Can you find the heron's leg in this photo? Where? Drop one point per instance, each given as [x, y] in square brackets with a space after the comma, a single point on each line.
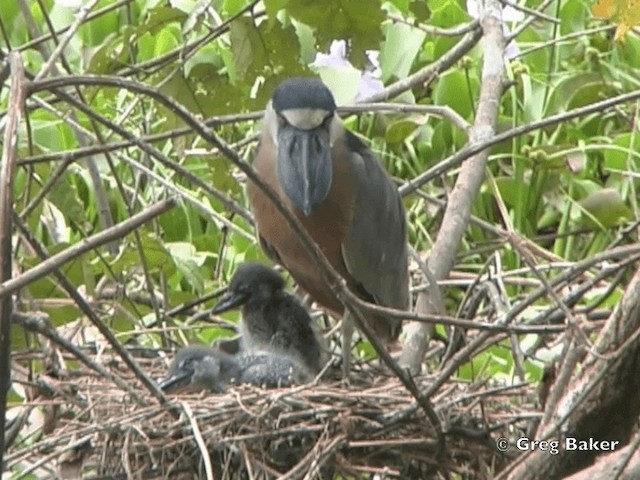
[347, 335]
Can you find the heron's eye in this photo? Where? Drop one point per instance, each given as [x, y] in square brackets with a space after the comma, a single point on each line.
[327, 121]
[282, 120]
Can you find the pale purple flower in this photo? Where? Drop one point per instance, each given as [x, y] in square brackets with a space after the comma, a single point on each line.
[370, 82]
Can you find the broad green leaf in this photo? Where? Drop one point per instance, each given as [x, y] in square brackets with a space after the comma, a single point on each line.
[618, 158]
[357, 22]
[188, 261]
[156, 255]
[185, 6]
[231, 7]
[420, 10]
[343, 83]
[207, 56]
[399, 50]
[399, 130]
[274, 6]
[307, 42]
[573, 15]
[97, 32]
[578, 90]
[64, 195]
[166, 40]
[446, 13]
[246, 45]
[606, 207]
[451, 89]
[256, 50]
[508, 188]
[159, 18]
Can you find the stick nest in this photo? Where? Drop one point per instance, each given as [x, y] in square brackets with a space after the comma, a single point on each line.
[92, 429]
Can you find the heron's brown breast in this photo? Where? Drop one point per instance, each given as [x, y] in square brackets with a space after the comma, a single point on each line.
[327, 225]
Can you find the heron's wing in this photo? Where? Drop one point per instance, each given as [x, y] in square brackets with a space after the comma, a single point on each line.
[375, 247]
[271, 252]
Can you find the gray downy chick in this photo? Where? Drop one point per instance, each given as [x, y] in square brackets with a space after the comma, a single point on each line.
[272, 319]
[198, 368]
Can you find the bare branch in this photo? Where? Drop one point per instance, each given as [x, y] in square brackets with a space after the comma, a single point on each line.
[441, 111]
[9, 152]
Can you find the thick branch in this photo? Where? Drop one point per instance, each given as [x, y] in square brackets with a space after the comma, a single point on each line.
[9, 150]
[458, 212]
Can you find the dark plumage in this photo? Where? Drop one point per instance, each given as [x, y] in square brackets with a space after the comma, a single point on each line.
[272, 319]
[197, 368]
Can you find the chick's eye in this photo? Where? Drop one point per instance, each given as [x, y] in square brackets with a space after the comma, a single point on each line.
[188, 363]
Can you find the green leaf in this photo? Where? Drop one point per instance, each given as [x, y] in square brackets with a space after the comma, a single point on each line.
[343, 82]
[577, 90]
[160, 18]
[401, 5]
[189, 261]
[95, 33]
[508, 188]
[451, 90]
[156, 255]
[245, 45]
[207, 56]
[166, 40]
[399, 130]
[231, 7]
[64, 196]
[399, 50]
[185, 6]
[617, 158]
[572, 16]
[446, 13]
[606, 207]
[358, 22]
[420, 10]
[257, 50]
[274, 6]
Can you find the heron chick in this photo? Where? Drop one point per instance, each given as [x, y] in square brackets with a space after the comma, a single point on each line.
[196, 368]
[272, 319]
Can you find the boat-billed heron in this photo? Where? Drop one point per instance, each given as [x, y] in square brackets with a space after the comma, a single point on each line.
[341, 194]
[198, 368]
[272, 319]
